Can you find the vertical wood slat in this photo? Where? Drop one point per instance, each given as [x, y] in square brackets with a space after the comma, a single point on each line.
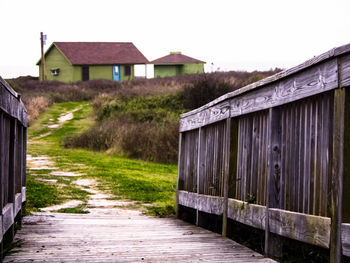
[226, 175]
[199, 167]
[273, 185]
[252, 158]
[337, 173]
[179, 173]
[346, 171]
[1, 176]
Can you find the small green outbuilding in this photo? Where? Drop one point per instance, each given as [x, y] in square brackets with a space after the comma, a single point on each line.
[176, 64]
[80, 61]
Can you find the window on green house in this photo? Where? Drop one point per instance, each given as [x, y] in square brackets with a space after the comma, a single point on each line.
[55, 71]
[127, 70]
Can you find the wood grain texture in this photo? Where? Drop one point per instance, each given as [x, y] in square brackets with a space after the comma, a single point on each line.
[248, 214]
[310, 229]
[346, 239]
[11, 103]
[7, 217]
[188, 199]
[345, 70]
[210, 204]
[204, 203]
[122, 238]
[1, 230]
[17, 204]
[24, 194]
[309, 82]
[336, 194]
[252, 157]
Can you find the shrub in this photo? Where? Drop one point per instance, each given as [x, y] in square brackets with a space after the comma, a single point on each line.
[35, 106]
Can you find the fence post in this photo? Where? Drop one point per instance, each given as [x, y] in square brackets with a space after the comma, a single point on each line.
[273, 246]
[178, 173]
[337, 172]
[1, 184]
[226, 174]
[199, 168]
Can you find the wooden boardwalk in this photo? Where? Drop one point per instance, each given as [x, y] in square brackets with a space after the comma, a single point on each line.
[119, 235]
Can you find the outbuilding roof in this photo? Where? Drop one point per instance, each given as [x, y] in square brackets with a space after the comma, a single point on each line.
[100, 53]
[176, 58]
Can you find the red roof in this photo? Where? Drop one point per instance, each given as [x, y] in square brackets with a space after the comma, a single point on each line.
[101, 53]
[176, 58]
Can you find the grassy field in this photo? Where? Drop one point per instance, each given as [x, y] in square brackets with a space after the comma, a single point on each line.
[135, 180]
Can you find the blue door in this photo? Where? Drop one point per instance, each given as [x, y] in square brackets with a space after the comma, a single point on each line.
[116, 72]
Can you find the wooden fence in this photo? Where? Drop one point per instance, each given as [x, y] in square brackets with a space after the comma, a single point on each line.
[275, 155]
[13, 134]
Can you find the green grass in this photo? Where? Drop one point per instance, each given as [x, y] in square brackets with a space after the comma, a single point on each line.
[125, 178]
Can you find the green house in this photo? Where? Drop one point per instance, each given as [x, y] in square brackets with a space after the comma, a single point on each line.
[80, 61]
[176, 64]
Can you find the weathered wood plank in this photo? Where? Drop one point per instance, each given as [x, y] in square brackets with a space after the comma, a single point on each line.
[310, 229]
[17, 204]
[179, 174]
[204, 203]
[337, 174]
[346, 239]
[133, 238]
[226, 174]
[7, 217]
[24, 194]
[279, 76]
[188, 199]
[210, 204]
[311, 81]
[245, 213]
[1, 231]
[11, 103]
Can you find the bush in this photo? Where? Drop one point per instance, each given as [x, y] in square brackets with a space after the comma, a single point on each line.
[35, 106]
[204, 91]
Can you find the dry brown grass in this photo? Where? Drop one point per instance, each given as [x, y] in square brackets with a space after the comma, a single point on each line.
[35, 106]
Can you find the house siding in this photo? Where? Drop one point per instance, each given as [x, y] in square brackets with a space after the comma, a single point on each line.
[132, 75]
[193, 68]
[55, 59]
[101, 72]
[174, 70]
[73, 73]
[161, 71]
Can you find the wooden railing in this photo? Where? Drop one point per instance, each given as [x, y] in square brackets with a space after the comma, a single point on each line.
[275, 155]
[13, 134]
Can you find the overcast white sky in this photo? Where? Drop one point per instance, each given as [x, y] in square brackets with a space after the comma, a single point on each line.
[232, 34]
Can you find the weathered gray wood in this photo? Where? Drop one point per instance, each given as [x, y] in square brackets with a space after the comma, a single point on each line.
[122, 238]
[7, 217]
[24, 194]
[17, 204]
[188, 199]
[179, 173]
[1, 174]
[311, 81]
[199, 174]
[274, 179]
[310, 229]
[11, 104]
[337, 174]
[210, 204]
[305, 149]
[204, 203]
[346, 239]
[248, 214]
[226, 175]
[1, 233]
[281, 75]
